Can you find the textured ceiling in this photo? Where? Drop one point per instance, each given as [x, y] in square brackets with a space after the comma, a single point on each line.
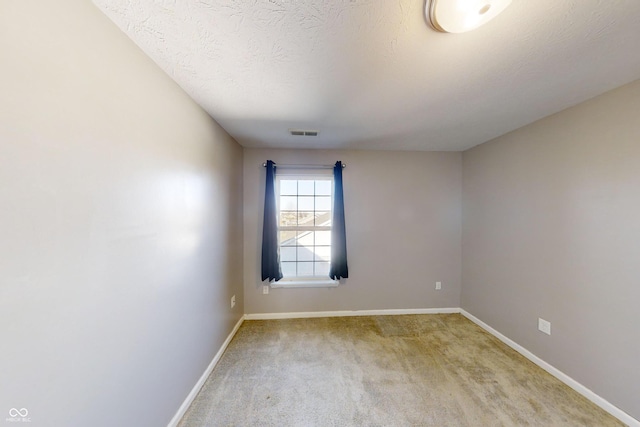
[370, 74]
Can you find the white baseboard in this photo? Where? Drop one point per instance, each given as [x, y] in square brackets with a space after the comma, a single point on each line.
[194, 392]
[601, 402]
[347, 313]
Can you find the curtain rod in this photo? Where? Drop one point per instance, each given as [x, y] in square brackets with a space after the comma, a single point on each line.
[344, 165]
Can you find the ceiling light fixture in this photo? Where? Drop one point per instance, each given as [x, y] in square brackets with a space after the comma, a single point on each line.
[459, 16]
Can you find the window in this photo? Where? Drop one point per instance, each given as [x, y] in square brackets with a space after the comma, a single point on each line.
[304, 226]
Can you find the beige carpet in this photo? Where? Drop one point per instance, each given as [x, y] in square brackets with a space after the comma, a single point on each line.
[418, 370]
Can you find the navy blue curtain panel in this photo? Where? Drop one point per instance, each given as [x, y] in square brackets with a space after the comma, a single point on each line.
[270, 251]
[338, 269]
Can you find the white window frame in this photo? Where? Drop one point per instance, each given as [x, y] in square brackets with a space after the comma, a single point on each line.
[303, 281]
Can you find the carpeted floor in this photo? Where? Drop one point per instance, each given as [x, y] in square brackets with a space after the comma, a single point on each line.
[417, 370]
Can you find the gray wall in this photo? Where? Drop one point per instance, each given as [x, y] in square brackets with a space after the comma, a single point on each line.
[403, 231]
[551, 229]
[120, 240]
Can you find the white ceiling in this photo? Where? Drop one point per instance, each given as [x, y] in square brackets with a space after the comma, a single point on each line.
[370, 74]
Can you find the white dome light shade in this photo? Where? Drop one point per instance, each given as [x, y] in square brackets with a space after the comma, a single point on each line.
[459, 16]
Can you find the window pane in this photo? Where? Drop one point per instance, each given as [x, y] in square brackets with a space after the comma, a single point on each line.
[323, 188]
[322, 253]
[323, 203]
[288, 253]
[288, 218]
[288, 269]
[305, 188]
[322, 268]
[323, 219]
[305, 253]
[323, 238]
[288, 238]
[288, 187]
[305, 218]
[305, 238]
[305, 203]
[288, 203]
[305, 269]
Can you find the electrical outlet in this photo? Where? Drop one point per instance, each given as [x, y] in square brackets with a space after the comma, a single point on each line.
[265, 289]
[544, 326]
[233, 301]
[438, 286]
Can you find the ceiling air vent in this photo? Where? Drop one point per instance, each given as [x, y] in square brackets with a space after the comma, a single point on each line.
[300, 132]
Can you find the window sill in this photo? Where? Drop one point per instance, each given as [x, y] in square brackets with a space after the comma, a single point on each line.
[305, 283]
